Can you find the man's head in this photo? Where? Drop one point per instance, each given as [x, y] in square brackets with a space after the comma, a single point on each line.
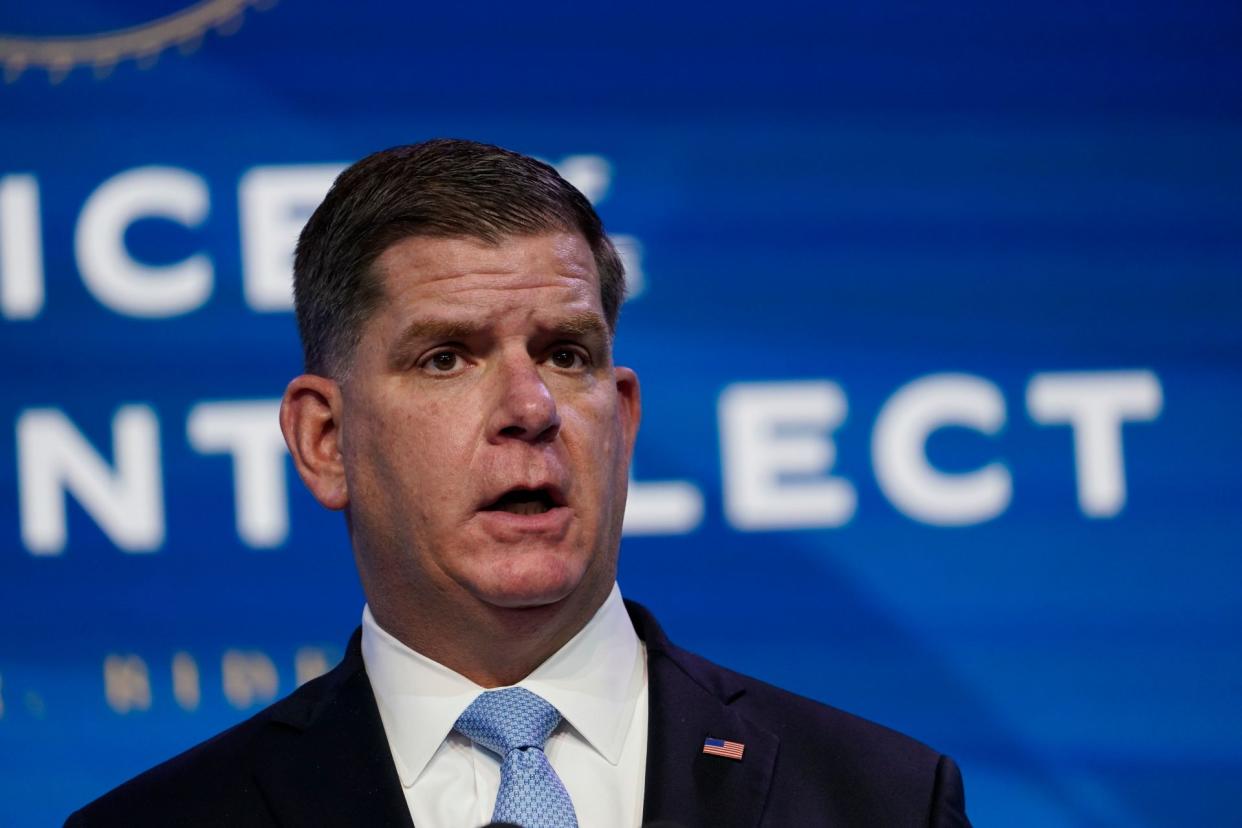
[445, 188]
[472, 425]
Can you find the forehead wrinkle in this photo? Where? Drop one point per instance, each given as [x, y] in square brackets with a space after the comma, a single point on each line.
[430, 276]
[510, 281]
[397, 258]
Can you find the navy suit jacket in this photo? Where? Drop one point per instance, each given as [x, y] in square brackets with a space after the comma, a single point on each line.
[320, 757]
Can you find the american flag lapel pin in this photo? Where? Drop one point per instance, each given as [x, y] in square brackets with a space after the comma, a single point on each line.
[723, 747]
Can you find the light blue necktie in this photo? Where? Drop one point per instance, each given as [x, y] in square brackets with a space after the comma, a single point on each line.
[516, 723]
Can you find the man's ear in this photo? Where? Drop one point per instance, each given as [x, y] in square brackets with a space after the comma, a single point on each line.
[310, 417]
[629, 404]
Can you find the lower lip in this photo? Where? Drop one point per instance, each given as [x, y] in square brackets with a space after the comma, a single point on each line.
[552, 522]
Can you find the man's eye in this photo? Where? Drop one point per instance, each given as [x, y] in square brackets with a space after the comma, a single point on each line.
[443, 361]
[567, 358]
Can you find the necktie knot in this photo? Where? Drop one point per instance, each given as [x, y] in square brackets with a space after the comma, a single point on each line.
[516, 723]
[509, 719]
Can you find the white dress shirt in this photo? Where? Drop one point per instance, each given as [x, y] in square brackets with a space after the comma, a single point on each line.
[598, 681]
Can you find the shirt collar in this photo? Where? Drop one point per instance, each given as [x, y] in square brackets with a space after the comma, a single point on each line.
[594, 681]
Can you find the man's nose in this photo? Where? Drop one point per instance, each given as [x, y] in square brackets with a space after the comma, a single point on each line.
[526, 409]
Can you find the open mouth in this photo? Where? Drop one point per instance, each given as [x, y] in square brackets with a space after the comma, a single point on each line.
[524, 502]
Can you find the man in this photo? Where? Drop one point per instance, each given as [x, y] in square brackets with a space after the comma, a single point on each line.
[457, 304]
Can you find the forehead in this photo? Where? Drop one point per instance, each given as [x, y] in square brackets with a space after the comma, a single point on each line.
[468, 272]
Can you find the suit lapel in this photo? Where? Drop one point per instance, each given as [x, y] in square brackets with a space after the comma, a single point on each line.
[689, 701]
[324, 760]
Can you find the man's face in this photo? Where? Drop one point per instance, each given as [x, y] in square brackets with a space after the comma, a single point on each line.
[485, 433]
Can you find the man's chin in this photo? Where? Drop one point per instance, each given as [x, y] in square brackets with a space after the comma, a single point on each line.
[527, 598]
[538, 583]
[539, 594]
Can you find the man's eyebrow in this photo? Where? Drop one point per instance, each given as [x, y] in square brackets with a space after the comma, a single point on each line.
[586, 323]
[439, 329]
[433, 330]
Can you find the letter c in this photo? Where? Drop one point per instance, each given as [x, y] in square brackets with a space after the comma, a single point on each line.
[899, 450]
[111, 274]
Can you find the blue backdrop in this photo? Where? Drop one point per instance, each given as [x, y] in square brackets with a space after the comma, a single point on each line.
[937, 311]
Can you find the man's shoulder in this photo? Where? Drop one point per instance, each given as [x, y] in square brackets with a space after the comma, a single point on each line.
[825, 750]
[791, 715]
[210, 781]
[802, 723]
[822, 759]
[788, 714]
[214, 781]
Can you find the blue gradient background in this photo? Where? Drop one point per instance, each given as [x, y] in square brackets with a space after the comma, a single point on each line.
[863, 193]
